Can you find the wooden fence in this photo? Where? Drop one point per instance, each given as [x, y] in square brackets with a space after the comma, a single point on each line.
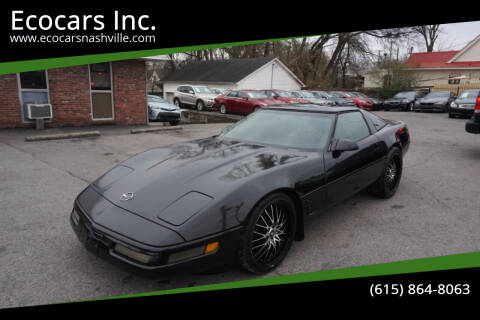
[456, 89]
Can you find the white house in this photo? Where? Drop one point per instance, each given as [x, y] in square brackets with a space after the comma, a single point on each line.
[440, 68]
[235, 74]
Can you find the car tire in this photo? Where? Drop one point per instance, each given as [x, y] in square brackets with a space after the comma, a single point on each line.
[269, 233]
[177, 102]
[174, 123]
[223, 109]
[200, 105]
[387, 184]
[450, 115]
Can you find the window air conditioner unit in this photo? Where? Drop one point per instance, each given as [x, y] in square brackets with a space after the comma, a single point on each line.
[39, 111]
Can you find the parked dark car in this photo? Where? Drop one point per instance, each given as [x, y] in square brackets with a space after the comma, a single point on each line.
[434, 101]
[473, 125]
[243, 101]
[162, 110]
[464, 105]
[336, 99]
[242, 195]
[404, 100]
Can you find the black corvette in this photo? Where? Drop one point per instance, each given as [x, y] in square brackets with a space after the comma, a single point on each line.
[239, 196]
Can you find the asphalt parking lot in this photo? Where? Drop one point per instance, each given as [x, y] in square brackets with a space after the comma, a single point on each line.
[435, 212]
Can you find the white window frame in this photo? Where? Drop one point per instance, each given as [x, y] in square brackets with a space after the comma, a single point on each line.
[101, 91]
[20, 96]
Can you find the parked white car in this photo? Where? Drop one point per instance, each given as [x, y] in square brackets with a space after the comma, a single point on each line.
[200, 97]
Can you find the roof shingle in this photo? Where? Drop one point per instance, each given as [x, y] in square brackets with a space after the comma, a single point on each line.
[231, 71]
[437, 59]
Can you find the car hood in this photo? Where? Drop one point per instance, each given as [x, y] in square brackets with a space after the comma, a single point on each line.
[208, 95]
[184, 174]
[397, 99]
[317, 100]
[465, 101]
[433, 100]
[266, 101]
[166, 106]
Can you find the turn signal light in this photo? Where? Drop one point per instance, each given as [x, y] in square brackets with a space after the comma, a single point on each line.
[211, 247]
[477, 105]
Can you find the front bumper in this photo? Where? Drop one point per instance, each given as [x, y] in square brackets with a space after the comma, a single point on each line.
[103, 243]
[461, 111]
[393, 106]
[430, 107]
[163, 115]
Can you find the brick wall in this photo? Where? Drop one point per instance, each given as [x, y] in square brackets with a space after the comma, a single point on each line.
[10, 113]
[70, 96]
[129, 89]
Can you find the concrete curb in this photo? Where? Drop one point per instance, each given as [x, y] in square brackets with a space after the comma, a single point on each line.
[63, 136]
[146, 130]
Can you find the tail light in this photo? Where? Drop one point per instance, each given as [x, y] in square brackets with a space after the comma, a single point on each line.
[400, 132]
[477, 105]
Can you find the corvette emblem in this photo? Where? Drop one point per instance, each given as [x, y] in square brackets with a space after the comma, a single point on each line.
[126, 196]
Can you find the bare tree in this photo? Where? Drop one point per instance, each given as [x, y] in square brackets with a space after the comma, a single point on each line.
[429, 33]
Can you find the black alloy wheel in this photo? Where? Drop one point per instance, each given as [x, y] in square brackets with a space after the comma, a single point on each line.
[269, 234]
[388, 182]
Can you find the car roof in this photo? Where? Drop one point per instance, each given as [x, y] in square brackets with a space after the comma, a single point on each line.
[310, 108]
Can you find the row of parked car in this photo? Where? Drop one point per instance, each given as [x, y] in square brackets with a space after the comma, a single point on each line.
[247, 101]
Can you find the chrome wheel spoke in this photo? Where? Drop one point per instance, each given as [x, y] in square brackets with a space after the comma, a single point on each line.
[270, 233]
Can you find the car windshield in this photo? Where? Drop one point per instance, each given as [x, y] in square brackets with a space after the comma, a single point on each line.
[202, 90]
[290, 129]
[285, 94]
[155, 99]
[361, 95]
[306, 94]
[471, 94]
[405, 95]
[336, 95]
[321, 94]
[257, 94]
[438, 94]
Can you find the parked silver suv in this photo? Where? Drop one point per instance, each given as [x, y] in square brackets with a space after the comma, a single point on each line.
[200, 97]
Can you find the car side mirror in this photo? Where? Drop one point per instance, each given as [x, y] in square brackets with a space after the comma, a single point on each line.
[342, 145]
[226, 129]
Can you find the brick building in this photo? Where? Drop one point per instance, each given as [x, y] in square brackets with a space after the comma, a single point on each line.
[103, 93]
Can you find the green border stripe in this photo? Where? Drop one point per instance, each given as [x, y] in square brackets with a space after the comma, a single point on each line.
[450, 262]
[50, 63]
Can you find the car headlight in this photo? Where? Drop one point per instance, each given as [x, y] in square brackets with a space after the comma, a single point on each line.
[453, 104]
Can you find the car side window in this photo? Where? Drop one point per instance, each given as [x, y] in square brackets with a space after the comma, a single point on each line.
[189, 90]
[351, 126]
[377, 122]
[233, 94]
[269, 93]
[242, 94]
[180, 89]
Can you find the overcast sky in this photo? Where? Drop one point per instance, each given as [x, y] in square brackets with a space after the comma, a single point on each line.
[457, 35]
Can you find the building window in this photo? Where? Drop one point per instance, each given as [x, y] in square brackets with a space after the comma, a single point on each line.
[33, 90]
[101, 91]
[453, 81]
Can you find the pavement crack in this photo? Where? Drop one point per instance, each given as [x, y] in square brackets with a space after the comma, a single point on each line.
[47, 163]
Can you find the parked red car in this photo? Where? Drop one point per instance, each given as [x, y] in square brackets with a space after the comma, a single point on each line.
[362, 103]
[284, 96]
[243, 101]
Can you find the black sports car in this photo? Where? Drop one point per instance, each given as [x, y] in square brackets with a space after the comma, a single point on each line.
[242, 195]
[403, 100]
